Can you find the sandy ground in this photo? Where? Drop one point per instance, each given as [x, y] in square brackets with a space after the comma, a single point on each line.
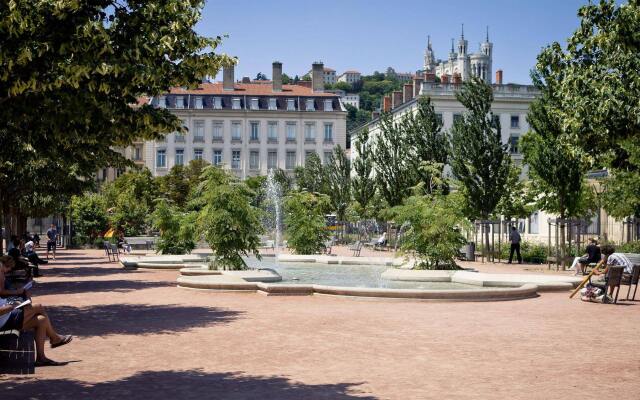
[138, 336]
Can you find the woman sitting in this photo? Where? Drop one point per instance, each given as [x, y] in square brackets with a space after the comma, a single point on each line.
[27, 318]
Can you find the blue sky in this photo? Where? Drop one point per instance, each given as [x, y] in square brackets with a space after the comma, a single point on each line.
[372, 35]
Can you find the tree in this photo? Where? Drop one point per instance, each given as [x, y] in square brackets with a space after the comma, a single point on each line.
[286, 79]
[177, 229]
[363, 182]
[130, 199]
[356, 117]
[261, 77]
[89, 215]
[228, 221]
[517, 199]
[339, 182]
[479, 160]
[621, 195]
[175, 186]
[394, 174]
[312, 177]
[304, 217]
[342, 86]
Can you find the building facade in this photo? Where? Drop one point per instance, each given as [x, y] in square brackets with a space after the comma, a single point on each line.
[350, 77]
[249, 128]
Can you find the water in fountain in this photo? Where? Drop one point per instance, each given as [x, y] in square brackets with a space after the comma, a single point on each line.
[274, 196]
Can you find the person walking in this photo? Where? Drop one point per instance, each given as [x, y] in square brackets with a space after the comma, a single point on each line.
[52, 237]
[514, 238]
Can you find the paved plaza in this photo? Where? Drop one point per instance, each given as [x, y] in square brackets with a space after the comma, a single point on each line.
[139, 336]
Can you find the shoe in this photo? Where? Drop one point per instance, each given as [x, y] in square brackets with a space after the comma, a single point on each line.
[65, 339]
[48, 363]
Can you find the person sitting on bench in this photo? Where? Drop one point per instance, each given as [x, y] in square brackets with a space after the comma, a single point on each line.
[27, 318]
[592, 256]
[382, 240]
[21, 263]
[611, 258]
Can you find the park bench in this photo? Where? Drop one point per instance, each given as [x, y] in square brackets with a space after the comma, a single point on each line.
[111, 250]
[356, 248]
[612, 280]
[17, 352]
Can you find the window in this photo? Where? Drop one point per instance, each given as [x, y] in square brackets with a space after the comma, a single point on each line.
[533, 223]
[291, 105]
[198, 102]
[179, 102]
[235, 131]
[162, 102]
[217, 103]
[310, 105]
[328, 105]
[137, 153]
[255, 105]
[272, 159]
[328, 155]
[457, 117]
[217, 157]
[273, 104]
[253, 134]
[309, 131]
[217, 131]
[439, 118]
[254, 159]
[197, 154]
[198, 131]
[291, 131]
[178, 138]
[513, 144]
[515, 121]
[290, 161]
[328, 132]
[161, 158]
[272, 131]
[235, 103]
[235, 159]
[179, 157]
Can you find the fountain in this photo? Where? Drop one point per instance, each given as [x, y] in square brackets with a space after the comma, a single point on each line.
[274, 194]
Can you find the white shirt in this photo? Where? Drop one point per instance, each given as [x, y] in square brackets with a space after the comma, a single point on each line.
[4, 317]
[29, 246]
[620, 260]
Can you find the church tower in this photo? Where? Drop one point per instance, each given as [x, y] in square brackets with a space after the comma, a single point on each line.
[486, 49]
[429, 58]
[464, 66]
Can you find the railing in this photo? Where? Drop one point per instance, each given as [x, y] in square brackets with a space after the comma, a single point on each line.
[499, 91]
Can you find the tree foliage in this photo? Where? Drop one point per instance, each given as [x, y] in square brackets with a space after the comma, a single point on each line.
[339, 182]
[363, 182]
[89, 215]
[177, 228]
[312, 177]
[304, 218]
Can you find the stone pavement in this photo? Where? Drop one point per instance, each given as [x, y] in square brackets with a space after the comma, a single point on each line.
[139, 336]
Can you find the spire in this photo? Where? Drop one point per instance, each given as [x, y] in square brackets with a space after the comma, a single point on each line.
[452, 45]
[487, 39]
[429, 42]
[462, 36]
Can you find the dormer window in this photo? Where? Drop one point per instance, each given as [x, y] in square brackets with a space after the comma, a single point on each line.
[310, 105]
[217, 103]
[328, 105]
[179, 102]
[235, 103]
[273, 105]
[162, 102]
[198, 102]
[254, 104]
[291, 105]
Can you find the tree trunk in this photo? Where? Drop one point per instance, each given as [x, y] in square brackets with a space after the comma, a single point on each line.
[562, 245]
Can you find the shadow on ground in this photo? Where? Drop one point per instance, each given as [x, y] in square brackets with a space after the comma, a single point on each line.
[118, 285]
[193, 384]
[74, 272]
[135, 319]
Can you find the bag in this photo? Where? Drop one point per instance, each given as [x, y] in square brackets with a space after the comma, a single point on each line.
[590, 293]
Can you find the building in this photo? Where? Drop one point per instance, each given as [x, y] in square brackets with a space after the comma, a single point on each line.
[405, 76]
[328, 74]
[353, 99]
[350, 77]
[461, 65]
[249, 128]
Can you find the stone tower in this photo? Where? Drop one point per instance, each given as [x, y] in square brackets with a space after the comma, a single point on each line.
[486, 48]
[429, 57]
[463, 58]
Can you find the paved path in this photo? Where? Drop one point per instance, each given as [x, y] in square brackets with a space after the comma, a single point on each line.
[140, 337]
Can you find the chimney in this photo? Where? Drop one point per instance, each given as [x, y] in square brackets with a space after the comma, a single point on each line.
[396, 98]
[277, 76]
[317, 76]
[457, 79]
[386, 104]
[246, 79]
[417, 85]
[375, 114]
[228, 77]
[444, 79]
[499, 77]
[429, 77]
[407, 93]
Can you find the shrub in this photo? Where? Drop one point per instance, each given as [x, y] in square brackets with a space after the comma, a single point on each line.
[89, 215]
[534, 253]
[177, 229]
[629, 247]
[304, 219]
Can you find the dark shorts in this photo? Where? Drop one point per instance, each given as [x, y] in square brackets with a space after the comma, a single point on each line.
[16, 317]
[51, 244]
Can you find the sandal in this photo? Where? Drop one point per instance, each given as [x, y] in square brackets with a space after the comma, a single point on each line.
[48, 363]
[65, 339]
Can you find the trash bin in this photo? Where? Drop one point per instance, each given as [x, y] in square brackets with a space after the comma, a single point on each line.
[471, 251]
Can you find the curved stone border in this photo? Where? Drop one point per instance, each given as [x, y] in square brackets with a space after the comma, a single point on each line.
[329, 259]
[225, 283]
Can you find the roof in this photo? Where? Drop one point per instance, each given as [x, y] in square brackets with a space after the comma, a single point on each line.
[327, 69]
[351, 72]
[250, 89]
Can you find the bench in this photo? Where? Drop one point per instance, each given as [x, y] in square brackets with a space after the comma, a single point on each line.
[111, 249]
[17, 352]
[356, 248]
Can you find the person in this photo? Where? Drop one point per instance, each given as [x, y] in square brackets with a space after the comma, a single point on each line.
[382, 240]
[33, 257]
[20, 262]
[27, 318]
[592, 256]
[122, 243]
[36, 239]
[514, 238]
[611, 258]
[52, 237]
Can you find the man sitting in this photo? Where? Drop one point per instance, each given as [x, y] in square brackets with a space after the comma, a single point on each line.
[611, 258]
[592, 256]
[21, 263]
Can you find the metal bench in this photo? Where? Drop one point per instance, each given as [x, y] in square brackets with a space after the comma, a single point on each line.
[111, 249]
[356, 248]
[17, 352]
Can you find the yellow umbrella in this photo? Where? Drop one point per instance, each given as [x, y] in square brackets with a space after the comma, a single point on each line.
[110, 233]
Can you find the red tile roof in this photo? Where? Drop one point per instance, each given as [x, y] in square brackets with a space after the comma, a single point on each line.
[251, 89]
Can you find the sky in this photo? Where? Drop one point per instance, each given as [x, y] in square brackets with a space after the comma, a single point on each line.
[373, 35]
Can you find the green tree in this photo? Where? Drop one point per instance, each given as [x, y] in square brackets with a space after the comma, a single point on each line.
[356, 117]
[286, 79]
[621, 195]
[228, 221]
[175, 186]
[313, 176]
[177, 228]
[363, 182]
[261, 77]
[517, 200]
[342, 86]
[304, 218]
[339, 182]
[89, 215]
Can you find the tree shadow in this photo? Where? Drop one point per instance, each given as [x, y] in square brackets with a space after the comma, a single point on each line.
[118, 285]
[79, 271]
[135, 319]
[192, 384]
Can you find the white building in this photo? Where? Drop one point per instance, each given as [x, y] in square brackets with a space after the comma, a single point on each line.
[461, 64]
[350, 77]
[353, 99]
[250, 128]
